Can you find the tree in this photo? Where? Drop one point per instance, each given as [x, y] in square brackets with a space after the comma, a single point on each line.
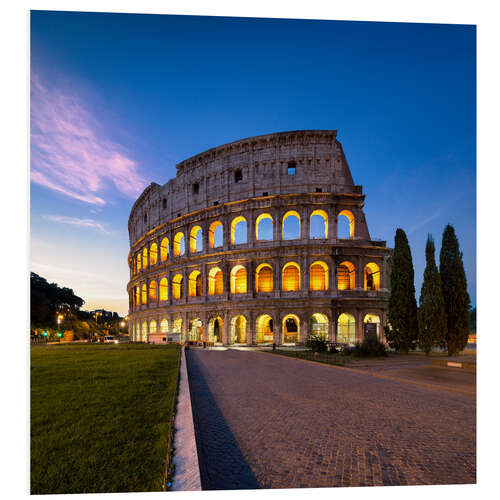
[472, 320]
[456, 298]
[402, 313]
[432, 313]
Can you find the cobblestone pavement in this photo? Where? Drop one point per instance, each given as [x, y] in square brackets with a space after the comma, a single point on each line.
[266, 421]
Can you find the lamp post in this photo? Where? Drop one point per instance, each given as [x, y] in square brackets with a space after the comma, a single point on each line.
[60, 317]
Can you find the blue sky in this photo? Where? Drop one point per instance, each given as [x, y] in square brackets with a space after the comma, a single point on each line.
[117, 100]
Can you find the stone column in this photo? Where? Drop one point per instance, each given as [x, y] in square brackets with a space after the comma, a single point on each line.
[251, 228]
[359, 325]
[359, 285]
[226, 328]
[204, 281]
[277, 226]
[304, 225]
[277, 333]
[332, 223]
[226, 221]
[250, 278]
[277, 276]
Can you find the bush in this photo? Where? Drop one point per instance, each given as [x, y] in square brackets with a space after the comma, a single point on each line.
[370, 347]
[317, 344]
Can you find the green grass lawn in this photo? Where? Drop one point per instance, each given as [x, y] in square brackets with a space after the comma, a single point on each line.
[100, 417]
[322, 357]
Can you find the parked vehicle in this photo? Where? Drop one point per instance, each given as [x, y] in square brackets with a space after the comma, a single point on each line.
[110, 340]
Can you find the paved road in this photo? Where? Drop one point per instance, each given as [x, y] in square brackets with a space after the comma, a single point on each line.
[266, 421]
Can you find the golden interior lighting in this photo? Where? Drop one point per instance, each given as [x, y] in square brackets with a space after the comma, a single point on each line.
[318, 276]
[195, 284]
[287, 231]
[215, 282]
[350, 218]
[346, 328]
[144, 331]
[177, 325]
[291, 329]
[144, 293]
[139, 262]
[291, 277]
[164, 326]
[319, 325]
[319, 218]
[263, 224]
[152, 291]
[372, 276]
[215, 236]
[195, 329]
[265, 333]
[164, 249]
[145, 258]
[345, 276]
[164, 289]
[238, 330]
[242, 222]
[153, 254]
[264, 278]
[178, 286]
[215, 329]
[196, 240]
[137, 296]
[373, 318]
[238, 279]
[179, 244]
[152, 326]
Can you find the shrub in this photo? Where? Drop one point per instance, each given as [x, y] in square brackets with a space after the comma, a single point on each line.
[370, 347]
[316, 343]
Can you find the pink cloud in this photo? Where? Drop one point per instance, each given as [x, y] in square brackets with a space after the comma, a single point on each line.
[74, 221]
[70, 155]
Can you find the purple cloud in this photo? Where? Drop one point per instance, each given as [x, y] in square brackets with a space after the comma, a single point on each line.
[70, 155]
[74, 221]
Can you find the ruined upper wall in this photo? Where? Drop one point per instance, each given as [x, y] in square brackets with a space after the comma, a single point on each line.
[262, 162]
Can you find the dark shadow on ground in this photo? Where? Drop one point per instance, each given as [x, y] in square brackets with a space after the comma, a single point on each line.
[222, 465]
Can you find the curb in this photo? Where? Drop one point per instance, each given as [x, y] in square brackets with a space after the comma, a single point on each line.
[187, 468]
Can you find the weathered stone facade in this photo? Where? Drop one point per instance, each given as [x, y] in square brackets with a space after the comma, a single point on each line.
[225, 288]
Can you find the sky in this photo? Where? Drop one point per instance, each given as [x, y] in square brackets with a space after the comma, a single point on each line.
[118, 99]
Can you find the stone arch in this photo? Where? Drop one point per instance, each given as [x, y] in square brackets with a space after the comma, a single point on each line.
[346, 328]
[179, 244]
[164, 325]
[264, 227]
[144, 294]
[145, 257]
[153, 254]
[144, 331]
[215, 281]
[139, 261]
[178, 286]
[164, 289]
[152, 326]
[372, 319]
[318, 224]
[351, 220]
[264, 278]
[291, 329]
[346, 276]
[196, 239]
[318, 275]
[164, 249]
[238, 230]
[264, 326]
[319, 325]
[371, 276]
[215, 234]
[153, 291]
[290, 230]
[239, 279]
[195, 329]
[290, 277]
[238, 333]
[177, 325]
[137, 296]
[215, 329]
[195, 284]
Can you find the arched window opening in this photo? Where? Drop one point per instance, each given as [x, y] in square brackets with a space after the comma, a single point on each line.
[264, 228]
[152, 326]
[215, 235]
[291, 277]
[144, 336]
[215, 282]
[291, 329]
[137, 332]
[144, 258]
[238, 279]
[238, 330]
[144, 294]
[152, 291]
[164, 203]
[164, 249]
[238, 230]
[196, 240]
[372, 276]
[264, 327]
[139, 261]
[346, 276]
[177, 326]
[179, 245]
[196, 188]
[137, 296]
[164, 325]
[153, 254]
[292, 168]
[238, 175]
[371, 326]
[196, 330]
[164, 289]
[318, 276]
[345, 223]
[215, 330]
[178, 286]
[291, 226]
[195, 284]
[319, 325]
[318, 227]
[264, 278]
[346, 329]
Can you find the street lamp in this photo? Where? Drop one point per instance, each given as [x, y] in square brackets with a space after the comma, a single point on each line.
[60, 317]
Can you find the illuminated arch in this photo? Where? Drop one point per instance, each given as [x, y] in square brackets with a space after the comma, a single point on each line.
[372, 318]
[153, 254]
[177, 326]
[238, 279]
[264, 227]
[196, 329]
[144, 258]
[346, 276]
[164, 325]
[215, 281]
[215, 234]
[144, 336]
[137, 296]
[264, 278]
[290, 230]
[215, 326]
[164, 249]
[164, 289]
[346, 328]
[318, 276]
[137, 332]
[179, 244]
[195, 284]
[139, 261]
[152, 326]
[318, 225]
[371, 276]
[144, 294]
[238, 330]
[290, 277]
[196, 239]
[178, 286]
[350, 218]
[291, 329]
[319, 325]
[153, 292]
[238, 225]
[265, 329]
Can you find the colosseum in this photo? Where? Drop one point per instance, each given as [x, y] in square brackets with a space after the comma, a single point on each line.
[256, 242]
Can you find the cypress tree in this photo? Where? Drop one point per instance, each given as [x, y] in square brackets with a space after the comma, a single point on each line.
[402, 313]
[456, 298]
[432, 313]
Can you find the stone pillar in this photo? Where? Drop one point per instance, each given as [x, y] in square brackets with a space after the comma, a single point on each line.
[277, 276]
[359, 325]
[277, 233]
[277, 333]
[359, 285]
[226, 328]
[305, 225]
[226, 221]
[251, 340]
[204, 228]
[332, 223]
[304, 326]
[204, 281]
[250, 278]
[251, 228]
